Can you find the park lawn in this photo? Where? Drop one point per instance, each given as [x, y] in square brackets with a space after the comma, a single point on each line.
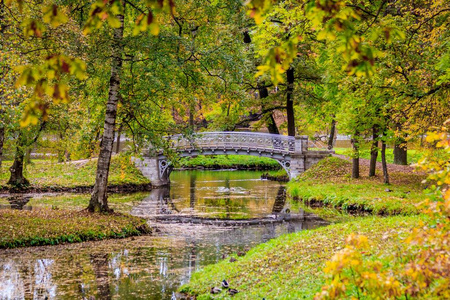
[45, 173]
[329, 183]
[20, 228]
[291, 266]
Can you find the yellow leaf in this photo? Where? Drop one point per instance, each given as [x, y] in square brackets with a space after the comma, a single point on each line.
[154, 28]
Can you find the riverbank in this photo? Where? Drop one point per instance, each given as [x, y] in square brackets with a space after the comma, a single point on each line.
[328, 183]
[77, 176]
[22, 228]
[291, 266]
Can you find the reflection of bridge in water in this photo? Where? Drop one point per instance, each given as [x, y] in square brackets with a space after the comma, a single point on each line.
[290, 152]
[158, 206]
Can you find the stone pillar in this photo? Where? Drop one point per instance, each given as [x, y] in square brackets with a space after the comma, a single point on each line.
[297, 165]
[298, 149]
[149, 166]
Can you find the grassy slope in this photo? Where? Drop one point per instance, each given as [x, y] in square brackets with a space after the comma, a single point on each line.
[49, 227]
[290, 267]
[43, 173]
[329, 182]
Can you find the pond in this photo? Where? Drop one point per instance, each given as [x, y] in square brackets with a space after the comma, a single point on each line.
[204, 217]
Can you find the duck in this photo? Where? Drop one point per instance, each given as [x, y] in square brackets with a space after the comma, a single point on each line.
[225, 284]
[232, 292]
[215, 290]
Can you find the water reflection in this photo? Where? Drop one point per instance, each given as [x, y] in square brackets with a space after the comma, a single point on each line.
[152, 267]
[216, 195]
[17, 202]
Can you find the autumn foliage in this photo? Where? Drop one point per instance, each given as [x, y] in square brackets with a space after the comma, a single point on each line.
[420, 266]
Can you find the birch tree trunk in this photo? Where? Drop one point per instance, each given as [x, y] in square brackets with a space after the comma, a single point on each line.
[99, 202]
[289, 102]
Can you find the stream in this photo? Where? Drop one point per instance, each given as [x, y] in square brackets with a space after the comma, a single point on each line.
[204, 217]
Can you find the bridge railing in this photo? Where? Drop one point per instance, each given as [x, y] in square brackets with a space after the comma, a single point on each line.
[237, 140]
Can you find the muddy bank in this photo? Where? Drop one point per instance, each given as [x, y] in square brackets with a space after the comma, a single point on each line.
[120, 188]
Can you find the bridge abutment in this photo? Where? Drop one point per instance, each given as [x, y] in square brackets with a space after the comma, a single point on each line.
[151, 168]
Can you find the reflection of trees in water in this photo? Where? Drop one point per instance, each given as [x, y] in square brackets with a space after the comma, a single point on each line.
[18, 202]
[227, 199]
[100, 263]
[27, 280]
[192, 188]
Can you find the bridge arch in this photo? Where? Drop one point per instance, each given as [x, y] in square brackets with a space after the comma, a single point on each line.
[290, 152]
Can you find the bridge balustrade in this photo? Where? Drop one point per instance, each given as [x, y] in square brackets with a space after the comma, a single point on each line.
[235, 140]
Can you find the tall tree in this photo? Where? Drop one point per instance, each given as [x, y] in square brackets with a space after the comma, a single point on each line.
[290, 77]
[98, 200]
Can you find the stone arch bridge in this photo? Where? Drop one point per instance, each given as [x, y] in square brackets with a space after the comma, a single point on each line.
[290, 152]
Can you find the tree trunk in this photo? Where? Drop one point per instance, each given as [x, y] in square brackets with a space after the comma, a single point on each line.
[99, 201]
[400, 149]
[2, 138]
[2, 129]
[17, 179]
[332, 133]
[400, 153]
[290, 103]
[355, 156]
[373, 151]
[383, 162]
[100, 264]
[271, 125]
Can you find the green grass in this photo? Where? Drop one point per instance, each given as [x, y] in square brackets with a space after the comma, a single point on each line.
[329, 183]
[413, 155]
[290, 267]
[42, 173]
[230, 162]
[50, 227]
